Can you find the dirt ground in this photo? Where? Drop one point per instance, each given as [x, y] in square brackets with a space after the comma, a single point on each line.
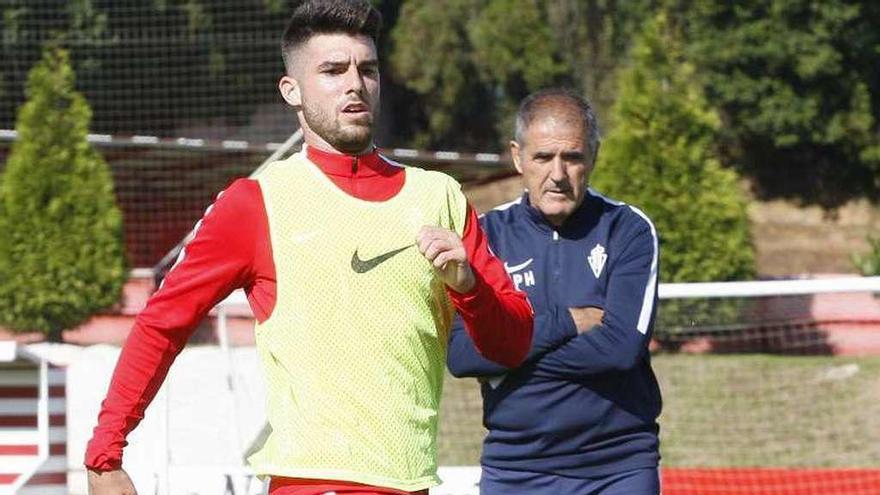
[789, 239]
[794, 240]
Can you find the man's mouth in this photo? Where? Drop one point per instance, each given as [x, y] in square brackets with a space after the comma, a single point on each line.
[558, 192]
[356, 108]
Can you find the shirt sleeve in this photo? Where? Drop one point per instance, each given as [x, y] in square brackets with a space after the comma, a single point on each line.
[497, 317]
[622, 339]
[551, 330]
[217, 260]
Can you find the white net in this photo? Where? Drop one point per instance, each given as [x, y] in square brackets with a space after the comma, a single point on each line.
[768, 388]
[183, 98]
[184, 101]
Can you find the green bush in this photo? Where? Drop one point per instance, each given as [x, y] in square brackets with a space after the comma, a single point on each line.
[797, 83]
[661, 157]
[869, 263]
[61, 249]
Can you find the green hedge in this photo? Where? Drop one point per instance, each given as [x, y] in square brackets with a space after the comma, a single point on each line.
[61, 249]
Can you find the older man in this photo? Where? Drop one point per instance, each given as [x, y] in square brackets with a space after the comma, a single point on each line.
[579, 416]
[353, 266]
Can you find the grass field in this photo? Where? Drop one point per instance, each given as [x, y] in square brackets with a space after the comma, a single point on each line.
[732, 411]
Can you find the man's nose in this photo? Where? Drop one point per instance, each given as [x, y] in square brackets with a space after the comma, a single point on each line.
[557, 170]
[354, 80]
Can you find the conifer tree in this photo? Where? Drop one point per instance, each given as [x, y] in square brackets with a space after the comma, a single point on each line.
[61, 249]
[661, 157]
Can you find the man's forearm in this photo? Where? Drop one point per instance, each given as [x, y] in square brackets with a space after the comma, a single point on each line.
[465, 361]
[499, 323]
[551, 330]
[140, 370]
[601, 349]
[497, 317]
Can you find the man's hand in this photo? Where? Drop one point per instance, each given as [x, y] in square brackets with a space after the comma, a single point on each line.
[114, 482]
[444, 249]
[586, 318]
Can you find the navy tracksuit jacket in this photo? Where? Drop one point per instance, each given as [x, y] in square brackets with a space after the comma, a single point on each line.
[581, 405]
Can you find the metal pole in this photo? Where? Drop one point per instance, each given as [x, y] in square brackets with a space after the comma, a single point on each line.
[223, 337]
[164, 485]
[171, 255]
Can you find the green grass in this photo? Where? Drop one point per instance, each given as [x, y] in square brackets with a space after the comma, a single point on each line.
[732, 410]
[461, 423]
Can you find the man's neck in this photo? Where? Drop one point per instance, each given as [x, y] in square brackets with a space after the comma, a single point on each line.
[339, 164]
[314, 141]
[367, 176]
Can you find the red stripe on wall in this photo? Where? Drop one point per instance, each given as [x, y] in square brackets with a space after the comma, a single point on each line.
[31, 420]
[54, 449]
[48, 479]
[8, 479]
[770, 481]
[30, 392]
[19, 450]
[18, 392]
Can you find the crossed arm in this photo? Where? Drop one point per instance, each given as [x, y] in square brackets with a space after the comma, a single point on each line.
[569, 343]
[552, 330]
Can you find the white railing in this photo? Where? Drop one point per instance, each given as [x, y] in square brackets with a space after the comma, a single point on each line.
[770, 287]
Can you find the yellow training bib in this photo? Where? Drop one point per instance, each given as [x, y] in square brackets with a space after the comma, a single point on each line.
[355, 348]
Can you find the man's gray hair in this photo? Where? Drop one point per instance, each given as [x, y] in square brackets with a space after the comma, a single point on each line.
[538, 102]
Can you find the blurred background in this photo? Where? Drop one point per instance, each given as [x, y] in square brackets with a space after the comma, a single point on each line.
[747, 130]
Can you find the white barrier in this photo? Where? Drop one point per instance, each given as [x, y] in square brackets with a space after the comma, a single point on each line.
[204, 457]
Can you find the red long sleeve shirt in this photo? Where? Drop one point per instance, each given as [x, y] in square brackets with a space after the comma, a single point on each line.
[232, 249]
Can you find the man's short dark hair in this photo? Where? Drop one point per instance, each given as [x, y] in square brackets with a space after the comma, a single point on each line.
[538, 102]
[311, 17]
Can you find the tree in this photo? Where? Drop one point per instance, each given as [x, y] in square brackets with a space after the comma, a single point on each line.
[470, 62]
[61, 250]
[594, 37]
[660, 158]
[154, 67]
[514, 53]
[797, 83]
[431, 57]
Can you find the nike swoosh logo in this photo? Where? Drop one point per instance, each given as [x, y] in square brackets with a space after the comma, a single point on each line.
[363, 266]
[516, 268]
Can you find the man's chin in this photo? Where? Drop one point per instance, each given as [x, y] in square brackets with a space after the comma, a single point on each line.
[557, 209]
[353, 145]
[363, 119]
[558, 204]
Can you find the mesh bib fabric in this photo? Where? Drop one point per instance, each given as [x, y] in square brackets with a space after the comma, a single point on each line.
[355, 348]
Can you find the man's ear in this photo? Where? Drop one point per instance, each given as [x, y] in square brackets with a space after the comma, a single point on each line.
[514, 154]
[289, 89]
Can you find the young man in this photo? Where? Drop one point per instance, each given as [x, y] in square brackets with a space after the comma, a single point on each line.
[353, 266]
[579, 416]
